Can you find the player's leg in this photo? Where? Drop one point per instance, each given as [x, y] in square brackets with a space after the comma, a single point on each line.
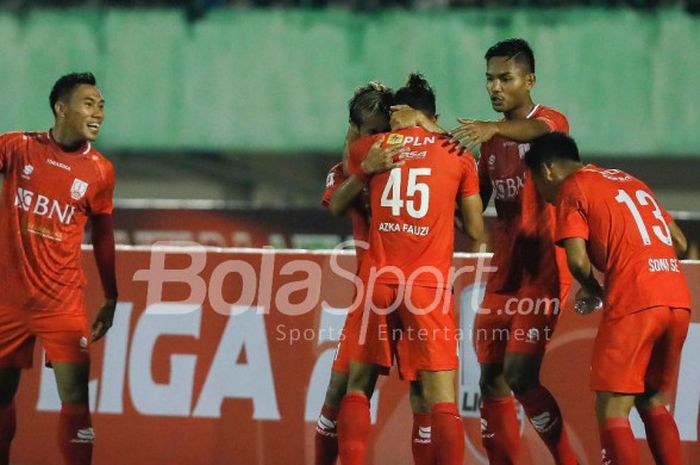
[661, 429]
[522, 373]
[326, 438]
[369, 351]
[9, 381]
[421, 432]
[500, 432]
[621, 356]
[531, 329]
[430, 312]
[75, 434]
[446, 423]
[354, 415]
[616, 438]
[64, 337]
[16, 352]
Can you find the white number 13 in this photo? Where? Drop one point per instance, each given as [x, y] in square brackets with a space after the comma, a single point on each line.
[392, 196]
[644, 198]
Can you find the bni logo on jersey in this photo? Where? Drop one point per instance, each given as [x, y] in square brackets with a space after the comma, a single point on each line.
[78, 189]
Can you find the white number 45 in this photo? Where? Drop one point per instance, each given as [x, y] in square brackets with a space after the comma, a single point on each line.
[392, 196]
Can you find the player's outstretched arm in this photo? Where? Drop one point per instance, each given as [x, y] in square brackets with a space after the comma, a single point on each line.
[680, 243]
[472, 218]
[103, 249]
[471, 133]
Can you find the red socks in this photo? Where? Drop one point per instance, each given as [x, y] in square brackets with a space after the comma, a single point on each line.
[75, 435]
[617, 440]
[353, 429]
[7, 431]
[545, 417]
[662, 435]
[500, 430]
[421, 440]
[447, 434]
[326, 439]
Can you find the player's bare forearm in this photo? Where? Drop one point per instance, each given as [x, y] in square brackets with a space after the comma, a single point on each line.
[345, 195]
[580, 265]
[521, 130]
[472, 218]
[680, 243]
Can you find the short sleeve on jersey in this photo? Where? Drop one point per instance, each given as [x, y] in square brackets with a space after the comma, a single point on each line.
[554, 120]
[6, 140]
[102, 201]
[572, 219]
[469, 185]
[334, 179]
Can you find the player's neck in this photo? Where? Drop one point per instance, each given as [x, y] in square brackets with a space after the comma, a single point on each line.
[66, 142]
[520, 112]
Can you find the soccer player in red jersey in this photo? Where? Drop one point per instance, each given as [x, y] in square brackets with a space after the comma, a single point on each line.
[407, 272]
[369, 114]
[612, 221]
[55, 182]
[523, 294]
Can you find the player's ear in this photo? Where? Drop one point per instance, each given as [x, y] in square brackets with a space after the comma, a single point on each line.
[530, 80]
[548, 171]
[59, 109]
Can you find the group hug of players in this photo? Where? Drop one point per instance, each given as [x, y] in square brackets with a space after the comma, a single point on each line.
[403, 168]
[400, 179]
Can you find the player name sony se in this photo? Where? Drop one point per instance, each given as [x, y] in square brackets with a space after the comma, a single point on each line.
[664, 264]
[393, 227]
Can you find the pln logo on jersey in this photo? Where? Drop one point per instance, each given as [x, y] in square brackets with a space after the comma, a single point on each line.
[27, 171]
[78, 189]
[394, 139]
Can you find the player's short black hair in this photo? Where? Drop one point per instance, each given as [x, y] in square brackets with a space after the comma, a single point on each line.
[550, 147]
[514, 49]
[65, 85]
[417, 94]
[373, 99]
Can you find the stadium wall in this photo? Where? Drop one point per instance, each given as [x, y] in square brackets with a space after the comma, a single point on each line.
[224, 359]
[278, 79]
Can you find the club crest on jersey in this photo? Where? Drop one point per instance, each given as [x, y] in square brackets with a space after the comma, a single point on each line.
[27, 171]
[78, 189]
[394, 139]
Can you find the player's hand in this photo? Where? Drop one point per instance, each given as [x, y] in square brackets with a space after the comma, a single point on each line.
[471, 133]
[404, 116]
[103, 320]
[589, 300]
[380, 159]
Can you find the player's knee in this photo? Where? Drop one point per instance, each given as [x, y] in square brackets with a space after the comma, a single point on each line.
[650, 399]
[336, 389]
[520, 381]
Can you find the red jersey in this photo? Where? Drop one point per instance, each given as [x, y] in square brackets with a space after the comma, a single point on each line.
[523, 237]
[628, 239]
[47, 196]
[411, 232]
[358, 212]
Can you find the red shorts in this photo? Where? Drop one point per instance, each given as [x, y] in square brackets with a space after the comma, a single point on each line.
[413, 325]
[520, 323]
[64, 337]
[350, 333]
[639, 350]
